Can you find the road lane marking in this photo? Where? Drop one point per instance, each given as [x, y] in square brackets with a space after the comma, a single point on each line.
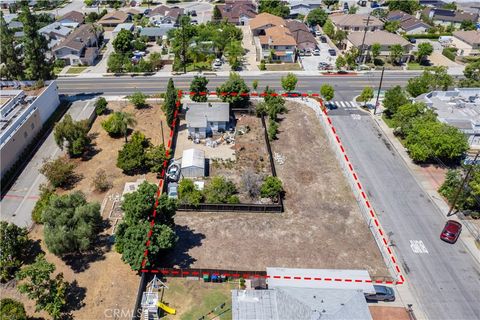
[418, 246]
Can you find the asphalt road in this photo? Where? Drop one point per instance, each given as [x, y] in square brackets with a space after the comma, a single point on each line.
[152, 85]
[444, 277]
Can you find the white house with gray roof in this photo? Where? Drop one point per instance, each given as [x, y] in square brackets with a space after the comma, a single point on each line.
[206, 118]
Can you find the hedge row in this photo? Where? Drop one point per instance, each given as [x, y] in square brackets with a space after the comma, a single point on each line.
[427, 36]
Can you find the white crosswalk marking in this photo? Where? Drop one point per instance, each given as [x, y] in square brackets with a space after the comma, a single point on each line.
[344, 104]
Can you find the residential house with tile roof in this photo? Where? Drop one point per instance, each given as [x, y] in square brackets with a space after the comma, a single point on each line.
[467, 42]
[72, 19]
[80, 47]
[114, 18]
[304, 39]
[448, 17]
[164, 14]
[238, 12]
[356, 22]
[408, 23]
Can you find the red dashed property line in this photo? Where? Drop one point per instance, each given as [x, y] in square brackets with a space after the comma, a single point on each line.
[367, 203]
[400, 279]
[162, 177]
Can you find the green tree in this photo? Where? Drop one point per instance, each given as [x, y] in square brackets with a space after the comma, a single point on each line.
[427, 140]
[170, 104]
[375, 49]
[468, 25]
[35, 47]
[467, 198]
[12, 310]
[330, 3]
[394, 98]
[199, 87]
[154, 158]
[123, 42]
[156, 61]
[408, 6]
[71, 223]
[275, 7]
[188, 194]
[73, 134]
[130, 241]
[366, 95]
[392, 26]
[131, 158]
[353, 9]
[424, 50]
[101, 106]
[217, 15]
[234, 91]
[138, 99]
[255, 85]
[117, 124]
[271, 188]
[289, 82]
[472, 71]
[272, 129]
[115, 62]
[328, 28]
[138, 205]
[317, 16]
[436, 78]
[234, 52]
[46, 192]
[49, 294]
[89, 3]
[340, 62]
[408, 113]
[220, 190]
[14, 246]
[274, 104]
[396, 53]
[327, 92]
[417, 86]
[59, 171]
[10, 56]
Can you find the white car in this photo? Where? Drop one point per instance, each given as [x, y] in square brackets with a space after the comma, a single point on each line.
[172, 190]
[318, 33]
[316, 52]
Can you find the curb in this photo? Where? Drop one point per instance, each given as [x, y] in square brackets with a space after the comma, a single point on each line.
[470, 248]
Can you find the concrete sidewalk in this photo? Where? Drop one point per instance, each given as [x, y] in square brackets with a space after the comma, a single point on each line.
[466, 237]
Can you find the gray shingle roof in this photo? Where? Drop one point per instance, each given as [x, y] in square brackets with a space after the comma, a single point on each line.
[198, 113]
[156, 31]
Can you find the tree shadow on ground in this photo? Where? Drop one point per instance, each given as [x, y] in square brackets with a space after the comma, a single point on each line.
[75, 297]
[80, 262]
[34, 249]
[179, 257]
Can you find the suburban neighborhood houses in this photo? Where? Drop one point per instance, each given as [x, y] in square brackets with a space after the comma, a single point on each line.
[240, 159]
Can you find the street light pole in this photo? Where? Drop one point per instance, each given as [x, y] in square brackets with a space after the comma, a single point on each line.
[378, 93]
[462, 185]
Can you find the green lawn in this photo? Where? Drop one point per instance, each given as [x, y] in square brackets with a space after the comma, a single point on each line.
[193, 299]
[415, 66]
[283, 67]
[57, 70]
[76, 70]
[387, 121]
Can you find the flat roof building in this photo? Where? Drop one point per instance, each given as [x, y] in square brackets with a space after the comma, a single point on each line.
[22, 115]
[459, 108]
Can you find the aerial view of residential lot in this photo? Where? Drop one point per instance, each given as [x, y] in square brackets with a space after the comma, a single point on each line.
[239, 159]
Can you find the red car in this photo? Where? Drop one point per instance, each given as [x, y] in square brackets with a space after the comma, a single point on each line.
[451, 231]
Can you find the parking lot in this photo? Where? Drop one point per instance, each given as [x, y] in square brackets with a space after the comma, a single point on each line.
[310, 63]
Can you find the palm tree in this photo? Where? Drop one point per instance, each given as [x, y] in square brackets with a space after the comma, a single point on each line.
[127, 120]
[234, 51]
[118, 123]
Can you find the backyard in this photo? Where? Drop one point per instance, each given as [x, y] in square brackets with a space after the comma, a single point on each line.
[321, 227]
[98, 289]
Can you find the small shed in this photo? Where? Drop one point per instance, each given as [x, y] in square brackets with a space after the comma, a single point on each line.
[193, 163]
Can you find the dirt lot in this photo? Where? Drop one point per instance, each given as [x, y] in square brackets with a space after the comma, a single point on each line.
[321, 228]
[105, 282]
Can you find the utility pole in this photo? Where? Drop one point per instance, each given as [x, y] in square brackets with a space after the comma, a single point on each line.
[378, 93]
[364, 35]
[462, 185]
[184, 47]
[163, 137]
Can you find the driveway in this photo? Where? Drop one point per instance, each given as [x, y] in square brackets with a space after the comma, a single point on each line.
[101, 66]
[250, 58]
[18, 203]
[310, 63]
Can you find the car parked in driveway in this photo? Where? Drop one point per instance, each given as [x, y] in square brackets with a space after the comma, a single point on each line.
[316, 52]
[382, 293]
[332, 52]
[451, 231]
[323, 39]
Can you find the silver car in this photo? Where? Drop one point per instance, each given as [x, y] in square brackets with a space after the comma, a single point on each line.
[172, 190]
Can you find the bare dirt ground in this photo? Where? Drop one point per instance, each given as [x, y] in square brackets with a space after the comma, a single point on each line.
[321, 228]
[104, 281]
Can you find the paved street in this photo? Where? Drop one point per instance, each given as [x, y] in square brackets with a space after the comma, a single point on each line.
[18, 203]
[150, 85]
[444, 277]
